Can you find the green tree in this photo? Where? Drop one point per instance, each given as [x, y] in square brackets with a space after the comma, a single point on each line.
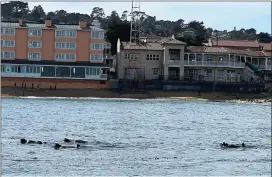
[37, 13]
[97, 13]
[264, 37]
[19, 9]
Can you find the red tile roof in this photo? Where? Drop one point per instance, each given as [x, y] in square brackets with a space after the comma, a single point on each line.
[236, 43]
[196, 48]
[225, 50]
[266, 46]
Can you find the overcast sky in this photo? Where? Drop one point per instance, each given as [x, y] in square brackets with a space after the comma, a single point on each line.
[217, 15]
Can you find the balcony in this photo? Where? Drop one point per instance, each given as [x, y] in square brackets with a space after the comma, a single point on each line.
[214, 64]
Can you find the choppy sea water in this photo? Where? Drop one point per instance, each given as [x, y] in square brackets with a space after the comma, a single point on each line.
[135, 137]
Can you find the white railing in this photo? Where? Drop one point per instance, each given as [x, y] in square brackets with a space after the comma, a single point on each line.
[214, 64]
[103, 76]
[228, 79]
[38, 75]
[248, 73]
[261, 66]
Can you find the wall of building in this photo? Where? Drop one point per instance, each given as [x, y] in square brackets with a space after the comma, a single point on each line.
[166, 59]
[48, 39]
[60, 83]
[147, 66]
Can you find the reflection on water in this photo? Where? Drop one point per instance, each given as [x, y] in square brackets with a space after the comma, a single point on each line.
[135, 137]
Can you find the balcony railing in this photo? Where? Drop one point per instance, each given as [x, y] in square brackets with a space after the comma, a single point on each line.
[212, 78]
[104, 76]
[214, 64]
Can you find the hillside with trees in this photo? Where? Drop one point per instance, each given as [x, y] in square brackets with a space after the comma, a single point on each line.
[118, 25]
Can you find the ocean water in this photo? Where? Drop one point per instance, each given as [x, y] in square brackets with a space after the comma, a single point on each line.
[135, 137]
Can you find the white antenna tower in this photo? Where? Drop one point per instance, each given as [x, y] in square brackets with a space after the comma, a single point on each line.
[135, 28]
[135, 31]
[134, 74]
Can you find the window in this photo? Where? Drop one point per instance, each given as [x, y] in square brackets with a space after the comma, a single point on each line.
[7, 54]
[152, 57]
[92, 71]
[194, 73]
[8, 31]
[192, 57]
[65, 45]
[63, 33]
[96, 46]
[70, 56]
[133, 56]
[7, 43]
[209, 74]
[209, 59]
[34, 32]
[198, 57]
[3, 68]
[34, 55]
[220, 75]
[65, 56]
[97, 34]
[14, 69]
[155, 71]
[97, 57]
[34, 44]
[33, 69]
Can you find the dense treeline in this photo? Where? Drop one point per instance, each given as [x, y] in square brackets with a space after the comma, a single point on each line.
[118, 26]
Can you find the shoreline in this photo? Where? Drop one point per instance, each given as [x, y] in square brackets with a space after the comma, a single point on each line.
[11, 92]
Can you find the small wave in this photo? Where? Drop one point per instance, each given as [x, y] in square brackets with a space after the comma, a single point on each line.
[26, 160]
[74, 98]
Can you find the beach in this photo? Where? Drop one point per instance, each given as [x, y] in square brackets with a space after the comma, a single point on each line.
[152, 94]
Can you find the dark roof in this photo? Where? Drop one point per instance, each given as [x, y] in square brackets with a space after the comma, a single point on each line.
[48, 62]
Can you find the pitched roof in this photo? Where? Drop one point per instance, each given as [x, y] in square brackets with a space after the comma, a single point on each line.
[195, 48]
[236, 43]
[154, 45]
[146, 46]
[170, 40]
[266, 46]
[225, 50]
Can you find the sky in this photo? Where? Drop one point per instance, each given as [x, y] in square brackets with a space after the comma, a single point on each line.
[217, 15]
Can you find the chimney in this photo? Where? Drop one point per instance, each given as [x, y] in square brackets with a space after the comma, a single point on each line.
[20, 21]
[48, 22]
[82, 23]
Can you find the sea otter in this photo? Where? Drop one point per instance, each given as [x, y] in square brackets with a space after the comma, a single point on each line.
[24, 141]
[226, 145]
[66, 140]
[58, 146]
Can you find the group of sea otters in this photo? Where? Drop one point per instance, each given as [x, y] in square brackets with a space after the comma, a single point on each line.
[78, 142]
[57, 145]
